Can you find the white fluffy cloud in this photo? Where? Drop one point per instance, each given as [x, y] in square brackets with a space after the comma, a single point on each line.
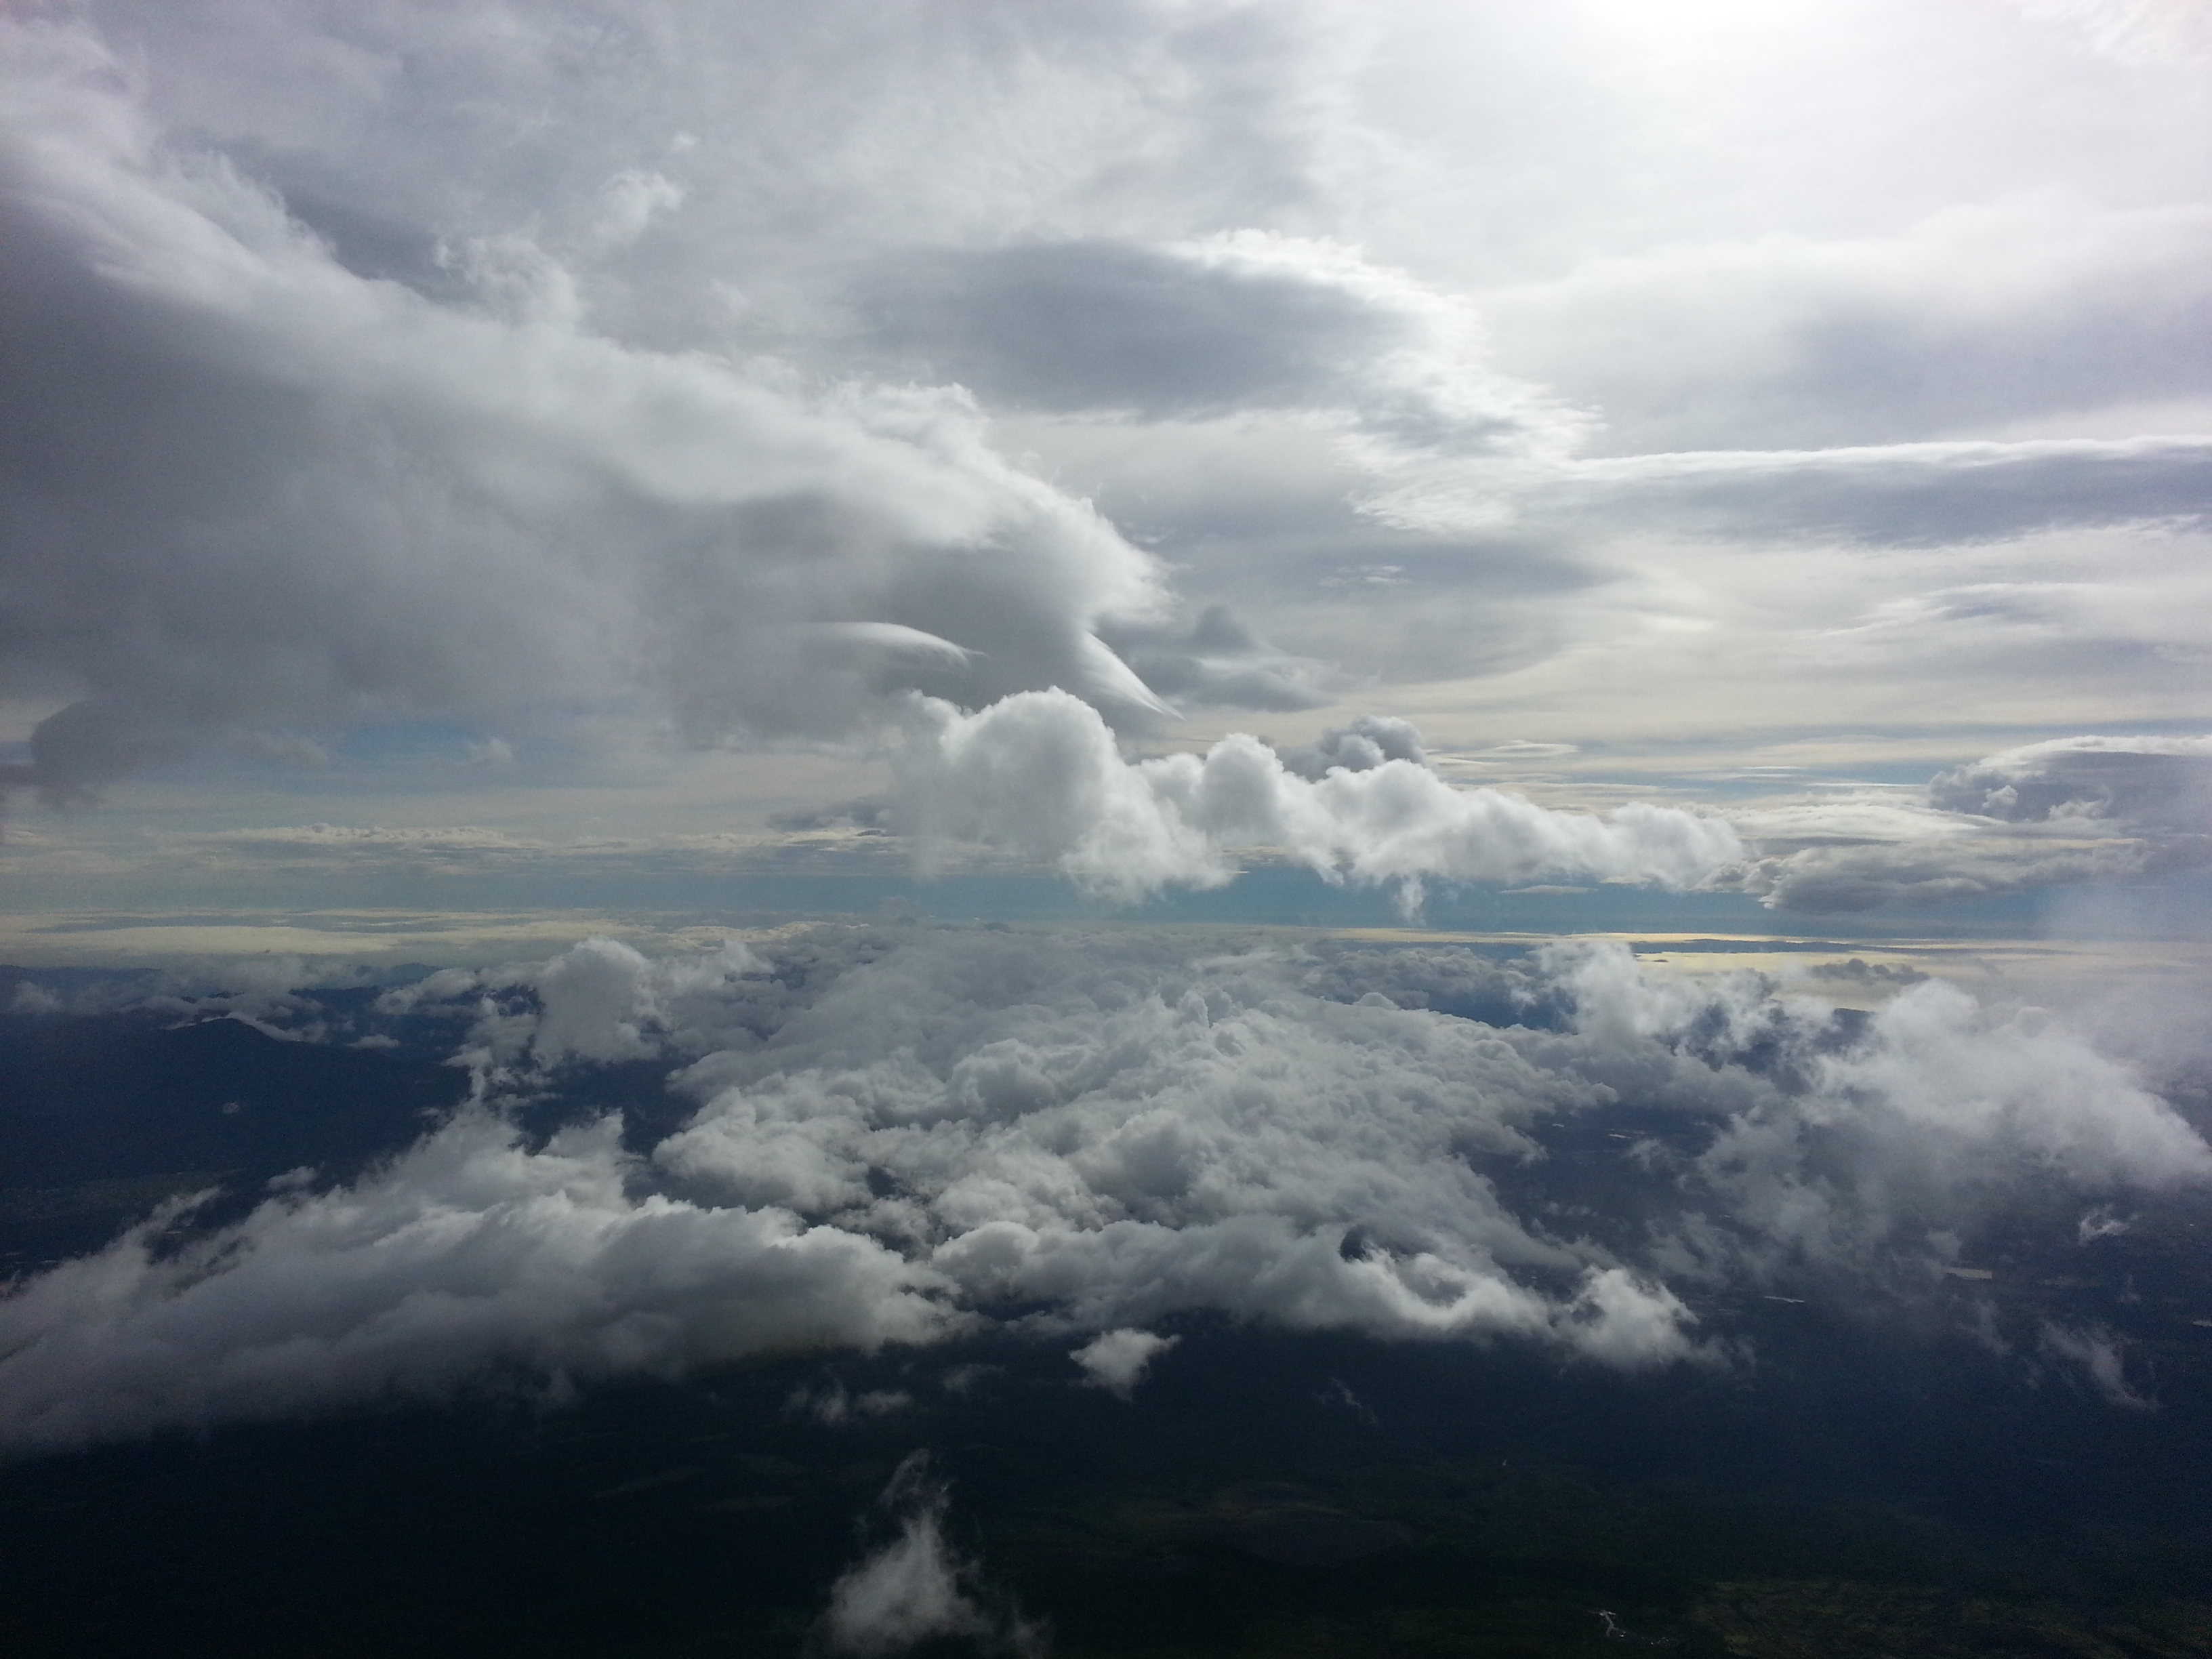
[1087, 1137]
[915, 1587]
[469, 1258]
[1116, 1361]
[1039, 775]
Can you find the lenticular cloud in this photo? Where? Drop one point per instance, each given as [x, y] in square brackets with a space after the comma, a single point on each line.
[902, 1138]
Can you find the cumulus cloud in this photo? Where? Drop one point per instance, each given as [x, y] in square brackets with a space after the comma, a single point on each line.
[1039, 775]
[601, 999]
[1116, 1361]
[1365, 744]
[1944, 1114]
[470, 1259]
[897, 1140]
[915, 1587]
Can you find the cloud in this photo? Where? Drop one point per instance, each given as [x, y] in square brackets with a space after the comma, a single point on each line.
[1039, 775]
[468, 1259]
[1365, 744]
[2084, 810]
[1440, 440]
[657, 370]
[2096, 1354]
[1872, 1156]
[596, 1001]
[331, 500]
[1217, 661]
[1243, 321]
[2023, 303]
[549, 376]
[1842, 880]
[599, 1000]
[2134, 32]
[1909, 495]
[1913, 494]
[835, 1406]
[898, 1139]
[1116, 1361]
[770, 143]
[915, 1587]
[2152, 781]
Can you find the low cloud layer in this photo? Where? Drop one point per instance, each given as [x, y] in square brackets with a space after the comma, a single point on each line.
[469, 1258]
[897, 1138]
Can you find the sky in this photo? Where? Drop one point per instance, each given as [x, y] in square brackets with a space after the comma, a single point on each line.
[1180, 516]
[632, 449]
